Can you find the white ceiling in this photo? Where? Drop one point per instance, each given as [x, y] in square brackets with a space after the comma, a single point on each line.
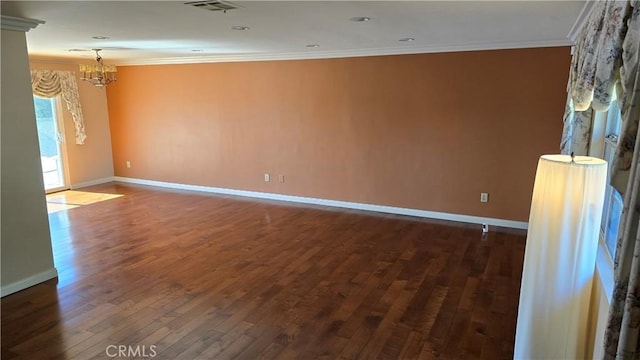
[147, 32]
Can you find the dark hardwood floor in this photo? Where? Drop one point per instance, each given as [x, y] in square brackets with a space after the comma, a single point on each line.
[198, 276]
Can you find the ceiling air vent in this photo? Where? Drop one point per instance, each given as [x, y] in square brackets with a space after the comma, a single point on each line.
[213, 5]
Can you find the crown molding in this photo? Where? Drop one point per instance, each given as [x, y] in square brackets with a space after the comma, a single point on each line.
[580, 21]
[55, 60]
[18, 24]
[343, 53]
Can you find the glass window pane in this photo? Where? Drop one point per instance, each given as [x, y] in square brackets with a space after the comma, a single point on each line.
[47, 134]
[615, 210]
[605, 210]
[48, 139]
[614, 118]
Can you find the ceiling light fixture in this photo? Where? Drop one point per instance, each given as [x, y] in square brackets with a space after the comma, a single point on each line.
[312, 45]
[240, 28]
[197, 50]
[213, 5]
[98, 37]
[360, 18]
[407, 39]
[98, 74]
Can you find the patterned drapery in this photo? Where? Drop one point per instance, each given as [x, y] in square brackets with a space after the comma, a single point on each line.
[51, 83]
[623, 327]
[576, 131]
[628, 71]
[594, 71]
[606, 57]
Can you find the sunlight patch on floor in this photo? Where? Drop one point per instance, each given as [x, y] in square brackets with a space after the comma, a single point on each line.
[70, 199]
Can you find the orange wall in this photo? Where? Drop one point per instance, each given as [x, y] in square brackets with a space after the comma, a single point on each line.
[92, 160]
[426, 131]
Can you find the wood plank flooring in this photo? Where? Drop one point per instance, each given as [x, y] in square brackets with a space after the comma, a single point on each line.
[202, 276]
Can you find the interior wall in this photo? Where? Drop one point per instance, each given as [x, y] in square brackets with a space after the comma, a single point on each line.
[428, 131]
[91, 161]
[26, 252]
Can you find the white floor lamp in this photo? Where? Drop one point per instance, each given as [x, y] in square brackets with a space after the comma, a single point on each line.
[560, 256]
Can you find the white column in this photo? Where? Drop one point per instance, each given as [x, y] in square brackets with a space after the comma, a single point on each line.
[25, 246]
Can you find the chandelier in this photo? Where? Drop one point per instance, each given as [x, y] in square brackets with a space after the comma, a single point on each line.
[98, 73]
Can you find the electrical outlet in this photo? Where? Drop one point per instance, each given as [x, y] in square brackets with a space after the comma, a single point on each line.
[281, 178]
[484, 197]
[128, 163]
[266, 177]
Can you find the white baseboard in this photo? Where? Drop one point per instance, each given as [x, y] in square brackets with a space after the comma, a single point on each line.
[28, 282]
[333, 203]
[91, 183]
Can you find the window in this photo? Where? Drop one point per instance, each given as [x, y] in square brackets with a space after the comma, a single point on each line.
[606, 130]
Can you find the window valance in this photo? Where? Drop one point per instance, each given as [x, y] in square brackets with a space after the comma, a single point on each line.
[51, 83]
[605, 59]
[597, 56]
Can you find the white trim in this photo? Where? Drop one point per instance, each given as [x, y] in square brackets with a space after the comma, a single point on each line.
[18, 24]
[91, 183]
[28, 282]
[580, 21]
[56, 61]
[345, 53]
[604, 268]
[333, 203]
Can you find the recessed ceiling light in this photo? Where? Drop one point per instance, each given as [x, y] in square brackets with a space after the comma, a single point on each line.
[312, 45]
[98, 37]
[407, 39]
[240, 28]
[360, 18]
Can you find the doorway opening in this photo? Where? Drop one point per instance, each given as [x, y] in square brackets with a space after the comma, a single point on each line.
[51, 138]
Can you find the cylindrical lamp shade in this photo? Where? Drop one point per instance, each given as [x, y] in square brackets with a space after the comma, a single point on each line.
[560, 257]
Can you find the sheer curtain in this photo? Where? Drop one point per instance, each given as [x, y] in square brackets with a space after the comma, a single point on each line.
[51, 83]
[607, 54]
